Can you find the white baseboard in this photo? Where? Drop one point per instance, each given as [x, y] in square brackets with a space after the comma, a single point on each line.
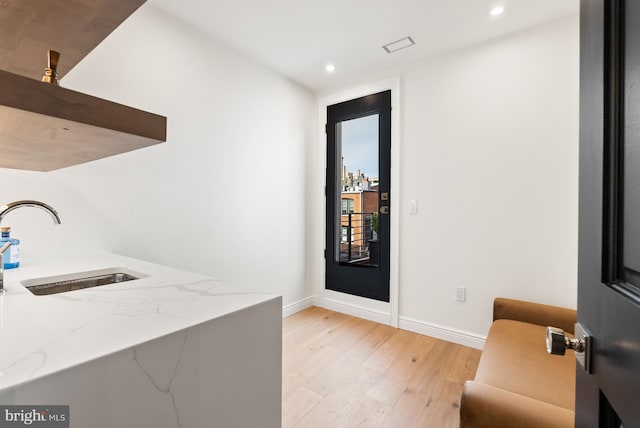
[449, 334]
[298, 306]
[355, 310]
[444, 333]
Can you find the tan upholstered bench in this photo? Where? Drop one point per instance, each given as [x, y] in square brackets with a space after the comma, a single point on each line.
[517, 383]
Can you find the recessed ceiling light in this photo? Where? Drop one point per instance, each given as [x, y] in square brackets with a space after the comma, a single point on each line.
[330, 68]
[404, 42]
[496, 11]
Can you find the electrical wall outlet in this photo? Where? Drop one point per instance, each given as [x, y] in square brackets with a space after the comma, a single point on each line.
[461, 294]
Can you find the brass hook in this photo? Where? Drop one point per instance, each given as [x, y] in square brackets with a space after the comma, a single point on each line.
[51, 72]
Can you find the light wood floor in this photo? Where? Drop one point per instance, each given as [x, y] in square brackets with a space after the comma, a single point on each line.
[341, 371]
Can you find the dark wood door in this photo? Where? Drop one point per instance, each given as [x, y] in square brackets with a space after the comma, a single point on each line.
[358, 196]
[609, 234]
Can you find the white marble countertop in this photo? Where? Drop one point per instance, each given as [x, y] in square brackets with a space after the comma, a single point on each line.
[40, 335]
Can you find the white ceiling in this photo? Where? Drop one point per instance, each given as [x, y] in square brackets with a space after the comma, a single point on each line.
[299, 37]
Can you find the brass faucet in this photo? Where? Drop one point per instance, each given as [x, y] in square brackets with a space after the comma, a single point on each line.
[6, 210]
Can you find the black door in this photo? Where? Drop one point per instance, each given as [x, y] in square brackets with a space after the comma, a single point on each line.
[609, 236]
[358, 197]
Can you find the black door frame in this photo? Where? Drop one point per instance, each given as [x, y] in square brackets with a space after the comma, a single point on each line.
[371, 282]
[604, 297]
[381, 312]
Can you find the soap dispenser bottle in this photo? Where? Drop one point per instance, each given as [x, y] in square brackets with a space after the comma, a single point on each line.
[12, 257]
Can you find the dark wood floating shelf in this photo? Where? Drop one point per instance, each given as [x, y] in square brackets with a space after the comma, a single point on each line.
[44, 127]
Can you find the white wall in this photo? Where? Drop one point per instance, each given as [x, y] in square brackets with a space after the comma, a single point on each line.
[224, 196]
[490, 151]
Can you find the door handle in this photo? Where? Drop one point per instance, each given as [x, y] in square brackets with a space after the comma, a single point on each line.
[558, 343]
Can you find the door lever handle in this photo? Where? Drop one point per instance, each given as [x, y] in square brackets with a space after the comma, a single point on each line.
[558, 343]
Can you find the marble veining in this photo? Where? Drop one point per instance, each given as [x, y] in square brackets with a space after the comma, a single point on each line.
[225, 372]
[41, 335]
[164, 386]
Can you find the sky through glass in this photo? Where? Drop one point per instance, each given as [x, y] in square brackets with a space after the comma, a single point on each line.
[360, 145]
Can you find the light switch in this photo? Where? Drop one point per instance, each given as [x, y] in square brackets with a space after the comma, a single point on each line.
[413, 207]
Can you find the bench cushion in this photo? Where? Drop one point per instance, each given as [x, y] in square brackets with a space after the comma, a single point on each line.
[484, 406]
[515, 359]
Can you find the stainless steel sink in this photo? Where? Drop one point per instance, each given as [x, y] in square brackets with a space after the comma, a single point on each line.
[78, 281]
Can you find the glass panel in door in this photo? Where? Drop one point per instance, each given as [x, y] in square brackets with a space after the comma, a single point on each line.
[357, 195]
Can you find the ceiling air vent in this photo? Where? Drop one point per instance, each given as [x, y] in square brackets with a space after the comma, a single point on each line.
[404, 42]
